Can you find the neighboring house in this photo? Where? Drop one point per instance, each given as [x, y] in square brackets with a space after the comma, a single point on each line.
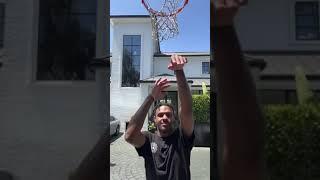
[52, 106]
[284, 34]
[137, 63]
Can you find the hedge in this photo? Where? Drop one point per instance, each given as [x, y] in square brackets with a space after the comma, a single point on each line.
[293, 141]
[201, 107]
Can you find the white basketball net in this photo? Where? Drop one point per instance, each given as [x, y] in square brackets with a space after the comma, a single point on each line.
[164, 28]
[164, 21]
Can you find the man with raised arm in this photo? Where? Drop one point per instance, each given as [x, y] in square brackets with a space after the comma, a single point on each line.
[167, 151]
[240, 113]
[242, 118]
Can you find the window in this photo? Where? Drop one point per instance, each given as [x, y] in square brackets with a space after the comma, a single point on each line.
[66, 43]
[196, 92]
[278, 97]
[205, 68]
[307, 20]
[2, 19]
[131, 61]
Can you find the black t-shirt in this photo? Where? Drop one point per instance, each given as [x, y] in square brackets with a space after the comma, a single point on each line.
[167, 158]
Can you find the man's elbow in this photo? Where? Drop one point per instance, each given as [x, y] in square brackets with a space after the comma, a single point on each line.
[128, 137]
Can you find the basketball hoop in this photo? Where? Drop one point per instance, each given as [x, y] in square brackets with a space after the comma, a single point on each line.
[164, 21]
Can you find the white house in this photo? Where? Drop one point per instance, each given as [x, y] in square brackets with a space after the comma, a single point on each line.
[137, 62]
[52, 107]
[284, 34]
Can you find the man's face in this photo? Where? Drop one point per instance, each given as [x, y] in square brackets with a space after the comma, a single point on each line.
[164, 118]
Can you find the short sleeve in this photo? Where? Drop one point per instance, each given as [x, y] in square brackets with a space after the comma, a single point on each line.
[145, 149]
[188, 142]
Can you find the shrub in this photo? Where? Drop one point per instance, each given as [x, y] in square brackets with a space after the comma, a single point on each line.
[293, 141]
[151, 126]
[201, 107]
[304, 92]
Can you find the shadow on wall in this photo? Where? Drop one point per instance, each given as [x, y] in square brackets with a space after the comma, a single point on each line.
[5, 175]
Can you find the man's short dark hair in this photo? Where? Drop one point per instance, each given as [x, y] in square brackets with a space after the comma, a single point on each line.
[162, 104]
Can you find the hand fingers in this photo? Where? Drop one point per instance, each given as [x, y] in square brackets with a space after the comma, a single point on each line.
[163, 81]
[232, 3]
[182, 60]
[157, 81]
[165, 86]
[185, 60]
[174, 59]
[243, 2]
[217, 4]
[228, 3]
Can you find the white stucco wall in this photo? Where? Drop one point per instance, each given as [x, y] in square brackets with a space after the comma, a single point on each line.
[124, 101]
[46, 128]
[192, 69]
[270, 25]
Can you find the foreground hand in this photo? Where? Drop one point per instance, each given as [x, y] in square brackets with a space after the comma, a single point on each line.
[177, 62]
[224, 11]
[157, 91]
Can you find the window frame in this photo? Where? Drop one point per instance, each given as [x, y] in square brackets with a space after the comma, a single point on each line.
[3, 23]
[131, 55]
[35, 67]
[315, 15]
[202, 66]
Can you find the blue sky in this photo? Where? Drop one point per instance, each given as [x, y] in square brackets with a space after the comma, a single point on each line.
[194, 24]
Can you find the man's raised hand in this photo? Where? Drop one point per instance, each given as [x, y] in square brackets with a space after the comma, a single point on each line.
[177, 62]
[224, 11]
[158, 90]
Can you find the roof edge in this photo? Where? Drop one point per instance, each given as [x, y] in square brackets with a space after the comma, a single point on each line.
[129, 16]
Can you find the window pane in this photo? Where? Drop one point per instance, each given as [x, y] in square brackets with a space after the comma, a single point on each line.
[136, 60]
[136, 68]
[136, 40]
[272, 96]
[205, 67]
[127, 50]
[307, 34]
[127, 40]
[135, 50]
[86, 24]
[131, 62]
[66, 42]
[306, 8]
[82, 6]
[307, 21]
[2, 17]
[292, 95]
[2, 9]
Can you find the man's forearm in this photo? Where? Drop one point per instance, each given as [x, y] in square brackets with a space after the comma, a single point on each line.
[241, 115]
[184, 92]
[137, 120]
